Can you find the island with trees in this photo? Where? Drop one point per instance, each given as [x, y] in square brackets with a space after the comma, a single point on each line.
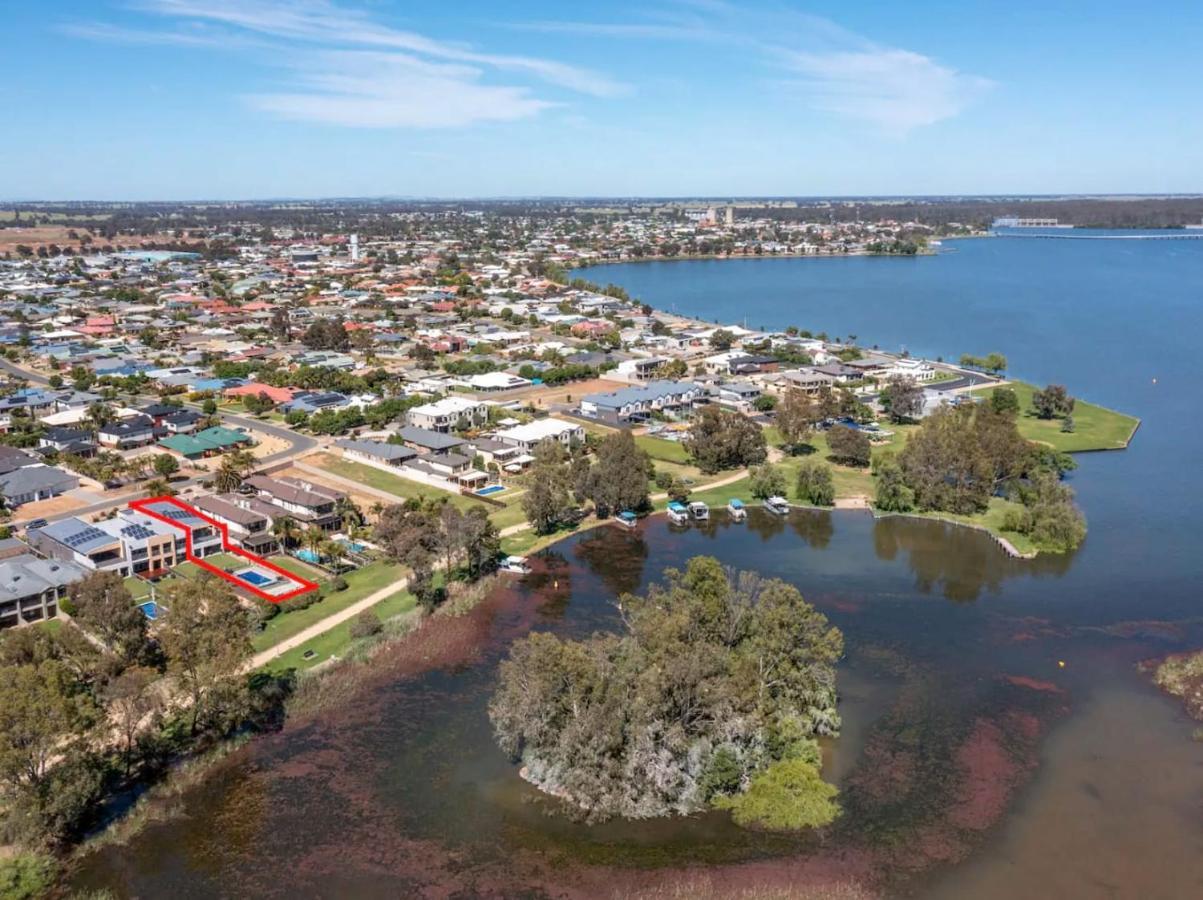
[712, 696]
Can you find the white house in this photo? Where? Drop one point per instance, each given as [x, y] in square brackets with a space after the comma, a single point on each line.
[449, 414]
[527, 437]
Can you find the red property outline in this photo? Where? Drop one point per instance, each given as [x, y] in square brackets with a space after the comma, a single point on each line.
[141, 506]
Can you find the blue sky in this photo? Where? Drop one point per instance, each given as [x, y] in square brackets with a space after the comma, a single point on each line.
[232, 99]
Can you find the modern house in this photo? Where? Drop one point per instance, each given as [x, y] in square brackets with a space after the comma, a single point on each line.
[68, 440]
[305, 502]
[637, 403]
[134, 432]
[246, 521]
[31, 588]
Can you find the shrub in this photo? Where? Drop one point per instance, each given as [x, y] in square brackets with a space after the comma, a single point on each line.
[338, 584]
[366, 624]
[26, 876]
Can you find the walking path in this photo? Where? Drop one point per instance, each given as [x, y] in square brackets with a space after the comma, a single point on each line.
[324, 625]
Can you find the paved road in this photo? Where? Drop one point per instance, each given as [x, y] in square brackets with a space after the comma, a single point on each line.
[13, 369]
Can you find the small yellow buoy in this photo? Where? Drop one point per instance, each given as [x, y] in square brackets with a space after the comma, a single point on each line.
[1061, 664]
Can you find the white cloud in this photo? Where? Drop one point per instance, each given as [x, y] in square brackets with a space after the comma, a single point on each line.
[827, 67]
[345, 68]
[325, 22]
[894, 90]
[392, 90]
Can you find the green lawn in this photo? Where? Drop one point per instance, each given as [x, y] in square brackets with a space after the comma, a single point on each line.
[138, 588]
[1095, 427]
[660, 449]
[336, 641]
[226, 561]
[360, 584]
[403, 488]
[54, 626]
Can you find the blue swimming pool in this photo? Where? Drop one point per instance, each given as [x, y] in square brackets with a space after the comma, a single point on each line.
[150, 609]
[491, 489]
[258, 579]
[308, 556]
[353, 546]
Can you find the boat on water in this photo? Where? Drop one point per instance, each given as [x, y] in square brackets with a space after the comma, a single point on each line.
[516, 564]
[678, 513]
[736, 511]
[699, 511]
[777, 505]
[627, 518]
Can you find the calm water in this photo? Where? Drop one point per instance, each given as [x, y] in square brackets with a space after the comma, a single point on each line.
[972, 763]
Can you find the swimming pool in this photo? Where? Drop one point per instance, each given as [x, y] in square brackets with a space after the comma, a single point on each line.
[308, 556]
[257, 579]
[353, 546]
[150, 609]
[491, 489]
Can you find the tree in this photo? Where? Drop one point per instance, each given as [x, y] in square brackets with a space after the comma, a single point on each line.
[673, 369]
[166, 465]
[1052, 402]
[849, 446]
[892, 494]
[209, 407]
[722, 340]
[722, 439]
[618, 480]
[43, 716]
[767, 481]
[104, 606]
[205, 636]
[548, 482]
[902, 397]
[281, 325]
[133, 702]
[1004, 400]
[946, 466]
[796, 417]
[815, 484]
[286, 529]
[787, 796]
[327, 334]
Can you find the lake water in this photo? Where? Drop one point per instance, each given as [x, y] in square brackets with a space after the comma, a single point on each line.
[998, 741]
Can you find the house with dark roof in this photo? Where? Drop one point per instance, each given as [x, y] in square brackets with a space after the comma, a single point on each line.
[300, 500]
[68, 440]
[29, 484]
[375, 452]
[134, 432]
[31, 588]
[432, 442]
[248, 522]
[637, 403]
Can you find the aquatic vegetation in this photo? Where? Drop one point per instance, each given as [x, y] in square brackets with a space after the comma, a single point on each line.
[1181, 675]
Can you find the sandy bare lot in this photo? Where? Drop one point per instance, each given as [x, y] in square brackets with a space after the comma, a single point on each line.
[567, 394]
